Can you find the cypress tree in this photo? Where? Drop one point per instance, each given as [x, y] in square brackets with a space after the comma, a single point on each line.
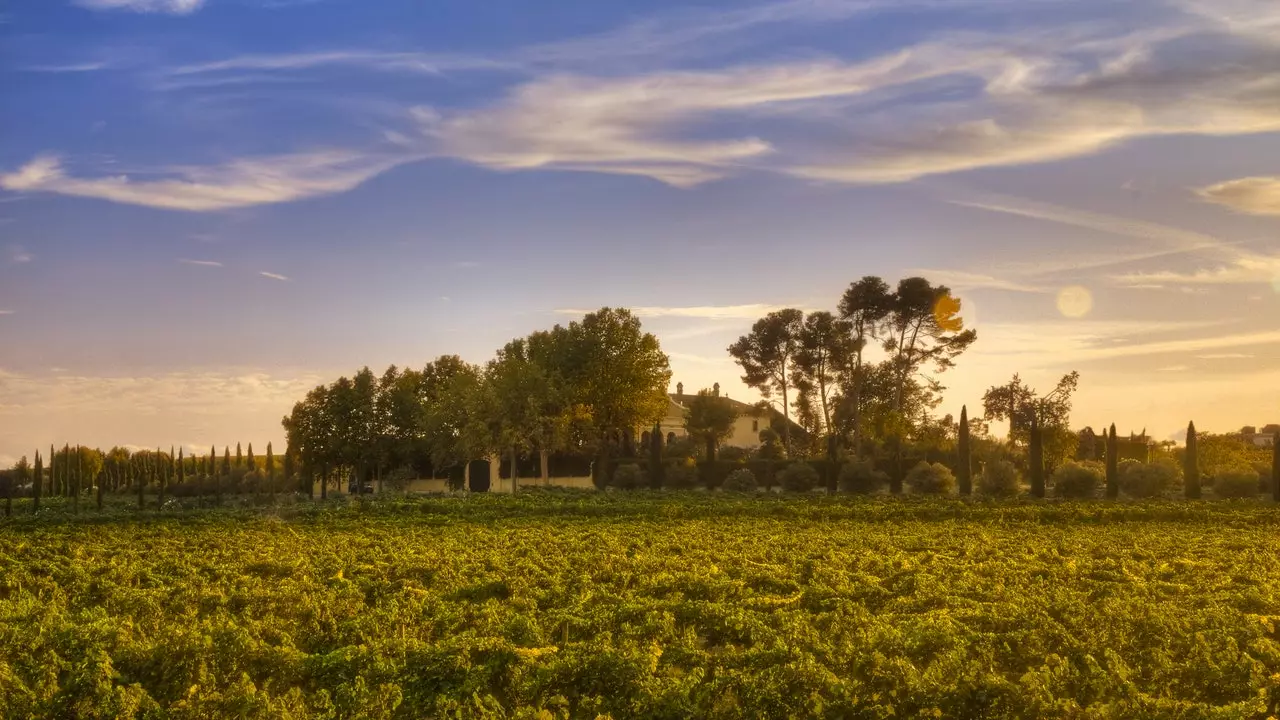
[53, 471]
[964, 461]
[1191, 465]
[656, 471]
[1113, 464]
[1036, 452]
[182, 468]
[8, 493]
[271, 473]
[226, 460]
[36, 486]
[239, 456]
[79, 482]
[98, 483]
[163, 469]
[213, 461]
[1275, 467]
[253, 465]
[140, 478]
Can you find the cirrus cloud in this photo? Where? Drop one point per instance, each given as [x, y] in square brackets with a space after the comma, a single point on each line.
[1252, 195]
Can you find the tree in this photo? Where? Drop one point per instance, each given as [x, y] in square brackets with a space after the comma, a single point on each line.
[529, 396]
[865, 306]
[617, 375]
[1113, 464]
[656, 470]
[925, 328]
[252, 464]
[824, 352]
[1036, 458]
[239, 457]
[964, 459]
[226, 459]
[1275, 467]
[766, 355]
[1191, 466]
[37, 483]
[710, 420]
[1019, 404]
[271, 473]
[182, 467]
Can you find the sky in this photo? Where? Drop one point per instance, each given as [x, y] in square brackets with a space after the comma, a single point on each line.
[209, 206]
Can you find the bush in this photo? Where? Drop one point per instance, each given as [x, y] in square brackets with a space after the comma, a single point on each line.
[400, 478]
[1079, 479]
[681, 475]
[731, 454]
[862, 478]
[1148, 480]
[931, 479]
[628, 477]
[999, 478]
[798, 477]
[1236, 484]
[740, 480]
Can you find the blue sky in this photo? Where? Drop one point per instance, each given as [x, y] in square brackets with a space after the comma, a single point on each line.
[208, 207]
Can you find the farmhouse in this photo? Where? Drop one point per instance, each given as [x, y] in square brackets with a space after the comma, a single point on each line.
[746, 430]
[1264, 438]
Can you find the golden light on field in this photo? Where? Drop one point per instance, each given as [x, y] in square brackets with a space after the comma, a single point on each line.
[1075, 301]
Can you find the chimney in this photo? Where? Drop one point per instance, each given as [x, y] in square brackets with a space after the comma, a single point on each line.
[715, 389]
[679, 389]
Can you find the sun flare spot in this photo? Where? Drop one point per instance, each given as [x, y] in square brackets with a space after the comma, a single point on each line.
[1075, 301]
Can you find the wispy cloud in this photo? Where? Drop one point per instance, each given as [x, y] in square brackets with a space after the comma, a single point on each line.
[1245, 270]
[273, 276]
[205, 263]
[172, 7]
[961, 280]
[410, 62]
[240, 183]
[706, 312]
[1254, 195]
[18, 255]
[1226, 356]
[68, 68]
[7, 312]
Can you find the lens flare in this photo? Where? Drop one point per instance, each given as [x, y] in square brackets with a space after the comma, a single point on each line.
[1075, 301]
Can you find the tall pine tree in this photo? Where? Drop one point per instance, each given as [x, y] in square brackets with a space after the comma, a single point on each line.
[1113, 464]
[964, 459]
[36, 487]
[271, 473]
[239, 457]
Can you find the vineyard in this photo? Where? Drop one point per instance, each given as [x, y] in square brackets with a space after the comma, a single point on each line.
[553, 605]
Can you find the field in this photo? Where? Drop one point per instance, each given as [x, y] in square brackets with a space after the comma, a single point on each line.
[555, 605]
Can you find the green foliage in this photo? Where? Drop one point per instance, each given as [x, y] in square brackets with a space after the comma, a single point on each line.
[629, 476]
[999, 478]
[710, 420]
[563, 605]
[767, 356]
[862, 478]
[1236, 484]
[680, 474]
[1149, 480]
[798, 477]
[740, 480]
[1079, 479]
[931, 479]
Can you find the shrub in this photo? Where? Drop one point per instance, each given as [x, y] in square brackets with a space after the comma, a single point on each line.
[681, 475]
[628, 477]
[731, 454]
[1236, 484]
[400, 478]
[931, 479]
[799, 477]
[1148, 480]
[999, 478]
[1078, 479]
[740, 480]
[862, 478]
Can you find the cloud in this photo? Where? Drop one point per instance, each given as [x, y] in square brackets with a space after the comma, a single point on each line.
[68, 68]
[1226, 356]
[172, 7]
[18, 255]
[1254, 195]
[205, 263]
[273, 276]
[956, 101]
[707, 312]
[7, 312]
[239, 183]
[961, 280]
[409, 62]
[1247, 269]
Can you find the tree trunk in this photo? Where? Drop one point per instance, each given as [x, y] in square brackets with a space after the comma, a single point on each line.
[786, 415]
[833, 465]
[99, 484]
[141, 496]
[1036, 457]
[515, 472]
[544, 466]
